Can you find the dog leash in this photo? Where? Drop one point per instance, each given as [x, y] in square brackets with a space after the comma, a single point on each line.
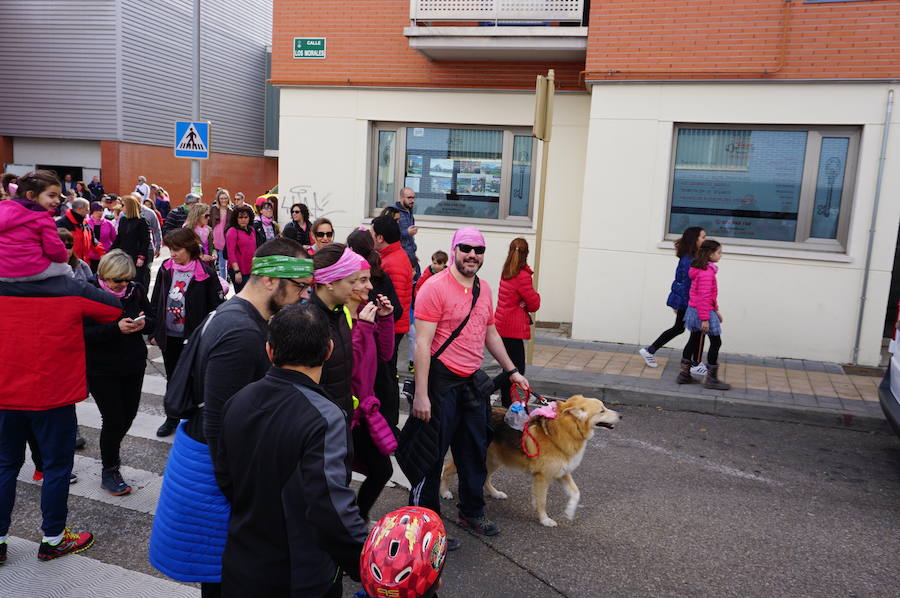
[520, 394]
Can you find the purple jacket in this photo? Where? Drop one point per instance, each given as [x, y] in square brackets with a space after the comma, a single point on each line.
[371, 343]
[107, 234]
[28, 239]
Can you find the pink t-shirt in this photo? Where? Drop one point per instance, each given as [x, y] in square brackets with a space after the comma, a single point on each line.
[444, 301]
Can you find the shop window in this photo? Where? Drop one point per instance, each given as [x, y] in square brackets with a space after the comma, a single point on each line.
[458, 173]
[764, 185]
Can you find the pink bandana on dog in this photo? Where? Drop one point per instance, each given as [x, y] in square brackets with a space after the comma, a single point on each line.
[348, 264]
[467, 235]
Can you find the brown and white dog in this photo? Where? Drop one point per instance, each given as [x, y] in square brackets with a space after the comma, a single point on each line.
[562, 442]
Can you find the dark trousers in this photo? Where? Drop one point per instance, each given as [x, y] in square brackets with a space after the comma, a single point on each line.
[170, 355]
[238, 286]
[377, 469]
[388, 392]
[143, 273]
[464, 430]
[676, 329]
[117, 398]
[694, 349]
[210, 590]
[515, 348]
[54, 430]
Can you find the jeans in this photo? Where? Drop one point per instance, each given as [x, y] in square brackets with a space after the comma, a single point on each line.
[464, 430]
[222, 264]
[117, 398]
[54, 430]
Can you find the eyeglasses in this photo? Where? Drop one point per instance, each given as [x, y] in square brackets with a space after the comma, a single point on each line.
[120, 280]
[319, 234]
[302, 286]
[295, 212]
[478, 249]
[206, 215]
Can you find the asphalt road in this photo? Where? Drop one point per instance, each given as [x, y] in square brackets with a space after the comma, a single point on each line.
[673, 504]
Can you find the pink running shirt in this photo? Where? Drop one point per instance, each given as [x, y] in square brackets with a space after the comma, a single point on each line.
[445, 301]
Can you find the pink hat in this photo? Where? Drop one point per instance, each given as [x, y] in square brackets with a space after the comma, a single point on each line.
[467, 235]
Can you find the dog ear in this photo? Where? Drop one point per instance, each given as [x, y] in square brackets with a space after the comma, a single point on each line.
[576, 412]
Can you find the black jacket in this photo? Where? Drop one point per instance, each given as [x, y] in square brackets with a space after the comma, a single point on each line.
[338, 369]
[202, 297]
[261, 234]
[295, 233]
[111, 353]
[294, 518]
[134, 238]
[174, 220]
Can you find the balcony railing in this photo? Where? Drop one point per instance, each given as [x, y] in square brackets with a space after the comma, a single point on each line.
[498, 12]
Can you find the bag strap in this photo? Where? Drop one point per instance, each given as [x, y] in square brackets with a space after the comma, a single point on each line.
[476, 290]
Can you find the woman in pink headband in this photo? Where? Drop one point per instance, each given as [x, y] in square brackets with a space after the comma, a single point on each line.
[336, 272]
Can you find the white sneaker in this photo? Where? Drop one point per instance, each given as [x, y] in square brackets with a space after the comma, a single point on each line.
[699, 370]
[649, 358]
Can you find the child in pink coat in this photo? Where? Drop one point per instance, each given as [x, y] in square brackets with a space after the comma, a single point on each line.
[703, 317]
[30, 247]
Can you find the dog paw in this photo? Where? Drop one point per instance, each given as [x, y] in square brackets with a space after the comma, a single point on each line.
[447, 494]
[570, 513]
[499, 495]
[547, 522]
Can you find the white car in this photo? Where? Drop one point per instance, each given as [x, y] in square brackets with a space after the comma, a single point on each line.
[889, 391]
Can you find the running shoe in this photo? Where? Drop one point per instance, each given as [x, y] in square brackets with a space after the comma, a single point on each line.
[70, 543]
[113, 483]
[649, 358]
[411, 368]
[699, 369]
[482, 525]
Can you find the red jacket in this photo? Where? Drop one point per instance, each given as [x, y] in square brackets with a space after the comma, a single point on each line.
[42, 359]
[426, 274]
[396, 264]
[511, 318]
[83, 236]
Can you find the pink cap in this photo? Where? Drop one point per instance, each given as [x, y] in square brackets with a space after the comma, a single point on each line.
[467, 235]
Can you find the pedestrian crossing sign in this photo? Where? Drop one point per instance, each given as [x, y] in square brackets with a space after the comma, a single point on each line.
[191, 139]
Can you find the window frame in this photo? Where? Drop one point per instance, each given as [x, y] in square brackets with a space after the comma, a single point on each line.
[504, 219]
[805, 207]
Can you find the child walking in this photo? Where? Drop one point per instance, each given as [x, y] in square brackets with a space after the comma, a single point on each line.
[686, 249]
[30, 248]
[703, 317]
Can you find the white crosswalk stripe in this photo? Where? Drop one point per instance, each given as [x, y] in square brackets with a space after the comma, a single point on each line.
[78, 576]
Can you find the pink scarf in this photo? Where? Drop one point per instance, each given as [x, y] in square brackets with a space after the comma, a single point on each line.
[195, 265]
[266, 221]
[118, 294]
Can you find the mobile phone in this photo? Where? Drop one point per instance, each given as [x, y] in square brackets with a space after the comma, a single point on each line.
[139, 319]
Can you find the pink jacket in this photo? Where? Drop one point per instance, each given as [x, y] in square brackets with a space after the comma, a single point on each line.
[107, 235]
[371, 343]
[241, 246]
[28, 240]
[704, 290]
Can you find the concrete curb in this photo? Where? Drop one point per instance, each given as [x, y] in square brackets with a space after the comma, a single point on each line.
[616, 394]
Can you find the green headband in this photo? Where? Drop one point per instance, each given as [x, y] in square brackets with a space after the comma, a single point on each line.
[282, 266]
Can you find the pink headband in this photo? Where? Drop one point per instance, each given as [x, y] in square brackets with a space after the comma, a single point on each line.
[468, 235]
[348, 264]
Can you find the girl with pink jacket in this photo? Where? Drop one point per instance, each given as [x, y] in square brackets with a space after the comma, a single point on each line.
[703, 317]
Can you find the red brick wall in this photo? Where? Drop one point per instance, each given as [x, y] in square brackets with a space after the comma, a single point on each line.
[6, 151]
[366, 47]
[732, 39]
[122, 163]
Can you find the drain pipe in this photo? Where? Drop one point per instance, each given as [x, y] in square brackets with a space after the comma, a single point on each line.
[881, 160]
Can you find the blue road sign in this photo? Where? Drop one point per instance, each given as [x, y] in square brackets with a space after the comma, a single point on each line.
[191, 139]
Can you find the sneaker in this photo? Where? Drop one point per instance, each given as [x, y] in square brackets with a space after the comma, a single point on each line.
[649, 358]
[452, 544]
[2, 553]
[482, 525]
[411, 368]
[113, 483]
[37, 476]
[70, 543]
[699, 369]
[73, 478]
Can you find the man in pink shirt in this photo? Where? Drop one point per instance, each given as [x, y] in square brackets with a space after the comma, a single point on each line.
[444, 383]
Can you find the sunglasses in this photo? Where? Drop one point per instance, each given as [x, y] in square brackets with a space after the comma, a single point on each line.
[319, 235]
[120, 280]
[295, 212]
[478, 249]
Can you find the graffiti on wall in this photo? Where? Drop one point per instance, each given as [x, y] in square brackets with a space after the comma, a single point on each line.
[319, 204]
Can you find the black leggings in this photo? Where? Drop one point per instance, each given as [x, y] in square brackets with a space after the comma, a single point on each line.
[117, 398]
[694, 349]
[170, 355]
[378, 469]
[515, 348]
[676, 329]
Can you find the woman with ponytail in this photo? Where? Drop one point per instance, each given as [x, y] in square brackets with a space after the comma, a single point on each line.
[515, 299]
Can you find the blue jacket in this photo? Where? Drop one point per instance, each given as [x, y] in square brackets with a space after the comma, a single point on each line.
[191, 522]
[407, 241]
[681, 286]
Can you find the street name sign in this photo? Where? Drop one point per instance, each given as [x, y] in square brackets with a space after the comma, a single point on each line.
[309, 47]
[191, 139]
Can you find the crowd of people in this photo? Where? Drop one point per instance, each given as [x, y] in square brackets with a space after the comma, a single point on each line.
[300, 363]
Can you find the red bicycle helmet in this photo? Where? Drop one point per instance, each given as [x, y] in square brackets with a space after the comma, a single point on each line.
[404, 554]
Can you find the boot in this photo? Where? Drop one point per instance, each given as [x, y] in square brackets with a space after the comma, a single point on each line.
[684, 376]
[712, 379]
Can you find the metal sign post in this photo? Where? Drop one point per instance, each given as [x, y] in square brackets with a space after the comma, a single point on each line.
[543, 127]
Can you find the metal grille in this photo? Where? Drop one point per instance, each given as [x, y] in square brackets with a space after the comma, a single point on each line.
[497, 10]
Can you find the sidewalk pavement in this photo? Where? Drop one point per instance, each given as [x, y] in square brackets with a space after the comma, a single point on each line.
[763, 388]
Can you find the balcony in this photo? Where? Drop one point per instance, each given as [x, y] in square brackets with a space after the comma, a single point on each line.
[498, 30]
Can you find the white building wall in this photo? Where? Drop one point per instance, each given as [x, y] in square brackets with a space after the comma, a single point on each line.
[775, 302]
[69, 152]
[324, 162]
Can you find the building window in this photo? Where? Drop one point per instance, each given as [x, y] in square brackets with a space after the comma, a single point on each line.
[766, 185]
[458, 173]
